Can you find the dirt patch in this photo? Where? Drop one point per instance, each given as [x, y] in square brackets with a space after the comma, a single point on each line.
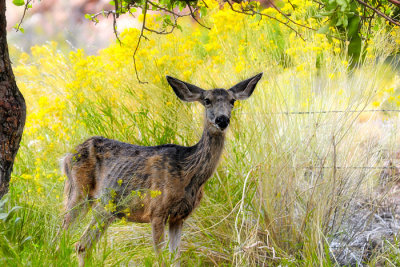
[368, 227]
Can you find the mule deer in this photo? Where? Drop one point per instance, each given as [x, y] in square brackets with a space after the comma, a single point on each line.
[118, 179]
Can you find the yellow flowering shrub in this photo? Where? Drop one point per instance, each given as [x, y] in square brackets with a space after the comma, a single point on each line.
[71, 96]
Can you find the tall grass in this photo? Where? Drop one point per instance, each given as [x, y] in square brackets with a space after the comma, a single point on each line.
[280, 192]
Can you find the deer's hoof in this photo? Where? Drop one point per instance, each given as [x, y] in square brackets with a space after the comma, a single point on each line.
[80, 251]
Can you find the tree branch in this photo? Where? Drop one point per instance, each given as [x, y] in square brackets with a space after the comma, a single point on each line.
[253, 12]
[105, 13]
[287, 17]
[116, 9]
[23, 15]
[395, 2]
[378, 12]
[194, 17]
[140, 38]
[291, 5]
[115, 16]
[168, 11]
[161, 32]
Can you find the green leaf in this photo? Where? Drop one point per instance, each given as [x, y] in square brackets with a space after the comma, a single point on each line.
[323, 29]
[181, 6]
[17, 220]
[18, 2]
[19, 28]
[345, 21]
[354, 49]
[339, 22]
[14, 209]
[353, 27]
[88, 16]
[329, 37]
[331, 6]
[327, 255]
[203, 11]
[342, 3]
[327, 13]
[319, 60]
[3, 202]
[25, 240]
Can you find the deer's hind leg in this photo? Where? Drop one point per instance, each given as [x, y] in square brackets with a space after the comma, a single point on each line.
[96, 228]
[77, 188]
[76, 203]
[158, 227]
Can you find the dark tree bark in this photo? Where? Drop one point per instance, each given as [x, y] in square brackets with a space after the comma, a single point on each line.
[12, 109]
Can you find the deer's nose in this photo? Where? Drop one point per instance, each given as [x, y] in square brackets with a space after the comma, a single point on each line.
[222, 122]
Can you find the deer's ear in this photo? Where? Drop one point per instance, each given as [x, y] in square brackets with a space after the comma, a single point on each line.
[185, 91]
[244, 89]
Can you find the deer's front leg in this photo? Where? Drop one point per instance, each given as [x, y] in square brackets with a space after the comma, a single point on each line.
[175, 232]
[158, 225]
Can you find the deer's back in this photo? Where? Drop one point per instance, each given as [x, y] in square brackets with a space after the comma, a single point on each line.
[142, 181]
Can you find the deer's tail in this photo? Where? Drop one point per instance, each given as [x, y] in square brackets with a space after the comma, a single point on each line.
[66, 164]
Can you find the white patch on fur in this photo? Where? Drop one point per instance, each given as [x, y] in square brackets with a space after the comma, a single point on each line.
[61, 162]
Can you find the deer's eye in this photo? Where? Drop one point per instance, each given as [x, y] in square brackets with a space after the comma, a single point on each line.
[233, 102]
[207, 102]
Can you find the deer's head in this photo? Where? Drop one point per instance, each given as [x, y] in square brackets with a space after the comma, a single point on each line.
[218, 102]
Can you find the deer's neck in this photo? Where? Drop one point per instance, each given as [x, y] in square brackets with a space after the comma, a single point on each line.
[204, 158]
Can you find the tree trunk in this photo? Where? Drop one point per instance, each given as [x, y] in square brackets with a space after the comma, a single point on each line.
[12, 109]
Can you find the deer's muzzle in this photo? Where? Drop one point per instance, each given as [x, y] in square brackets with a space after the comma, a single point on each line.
[222, 122]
